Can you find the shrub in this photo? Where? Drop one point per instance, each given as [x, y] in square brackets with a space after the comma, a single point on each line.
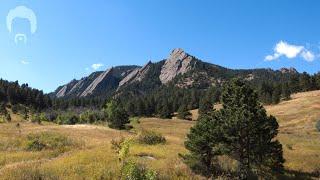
[132, 170]
[151, 138]
[134, 120]
[117, 116]
[183, 113]
[91, 116]
[8, 117]
[47, 141]
[15, 109]
[318, 125]
[116, 144]
[68, 118]
[35, 118]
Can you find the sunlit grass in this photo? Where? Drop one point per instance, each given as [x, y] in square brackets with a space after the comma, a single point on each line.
[94, 158]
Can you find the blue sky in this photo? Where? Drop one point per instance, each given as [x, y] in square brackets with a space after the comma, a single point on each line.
[74, 35]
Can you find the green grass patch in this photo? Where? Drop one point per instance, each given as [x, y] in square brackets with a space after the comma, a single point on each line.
[48, 141]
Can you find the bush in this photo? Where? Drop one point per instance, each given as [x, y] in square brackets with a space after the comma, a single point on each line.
[132, 170]
[8, 117]
[151, 138]
[68, 118]
[117, 116]
[318, 125]
[15, 109]
[116, 144]
[183, 113]
[35, 118]
[92, 117]
[134, 120]
[47, 141]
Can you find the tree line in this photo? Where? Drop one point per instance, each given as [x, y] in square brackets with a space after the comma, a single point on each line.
[13, 93]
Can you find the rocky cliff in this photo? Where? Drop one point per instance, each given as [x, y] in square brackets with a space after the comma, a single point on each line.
[179, 69]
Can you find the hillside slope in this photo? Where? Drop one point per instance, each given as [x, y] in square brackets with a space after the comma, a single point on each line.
[298, 135]
[95, 158]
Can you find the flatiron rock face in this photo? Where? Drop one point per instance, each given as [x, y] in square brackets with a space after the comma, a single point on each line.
[179, 62]
[137, 74]
[140, 80]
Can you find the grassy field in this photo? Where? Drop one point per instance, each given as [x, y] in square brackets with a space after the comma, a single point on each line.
[90, 156]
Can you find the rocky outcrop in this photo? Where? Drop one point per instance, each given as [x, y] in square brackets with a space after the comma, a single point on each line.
[141, 80]
[288, 70]
[137, 74]
[95, 83]
[179, 62]
[62, 91]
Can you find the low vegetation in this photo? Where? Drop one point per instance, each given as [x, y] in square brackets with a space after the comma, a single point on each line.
[48, 141]
[133, 170]
[318, 125]
[50, 151]
[151, 138]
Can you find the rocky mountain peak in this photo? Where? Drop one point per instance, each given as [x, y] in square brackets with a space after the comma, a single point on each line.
[179, 62]
[288, 70]
[178, 54]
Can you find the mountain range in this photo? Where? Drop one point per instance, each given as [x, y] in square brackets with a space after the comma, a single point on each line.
[179, 69]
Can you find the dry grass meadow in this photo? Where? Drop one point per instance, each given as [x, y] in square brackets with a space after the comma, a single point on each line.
[91, 156]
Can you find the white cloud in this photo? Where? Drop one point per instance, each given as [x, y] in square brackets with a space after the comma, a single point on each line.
[308, 55]
[96, 66]
[24, 62]
[272, 57]
[290, 51]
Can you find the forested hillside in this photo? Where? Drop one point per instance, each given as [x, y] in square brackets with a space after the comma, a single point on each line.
[179, 82]
[13, 93]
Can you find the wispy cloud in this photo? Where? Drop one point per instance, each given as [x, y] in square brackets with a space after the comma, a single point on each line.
[290, 51]
[96, 66]
[308, 55]
[24, 62]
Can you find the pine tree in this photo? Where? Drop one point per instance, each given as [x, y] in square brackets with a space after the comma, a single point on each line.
[205, 106]
[241, 130]
[117, 116]
[276, 95]
[305, 82]
[203, 144]
[25, 114]
[285, 94]
[249, 132]
[183, 112]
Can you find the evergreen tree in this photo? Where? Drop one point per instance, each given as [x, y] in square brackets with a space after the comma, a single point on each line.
[249, 132]
[25, 114]
[285, 94]
[130, 108]
[305, 82]
[205, 106]
[203, 144]
[183, 113]
[116, 115]
[276, 95]
[241, 130]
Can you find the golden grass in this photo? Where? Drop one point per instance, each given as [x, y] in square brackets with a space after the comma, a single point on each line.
[298, 135]
[96, 160]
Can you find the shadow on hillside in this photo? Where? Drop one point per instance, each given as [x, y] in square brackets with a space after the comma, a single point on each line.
[297, 175]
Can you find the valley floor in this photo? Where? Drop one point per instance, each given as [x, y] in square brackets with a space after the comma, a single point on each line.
[93, 157]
